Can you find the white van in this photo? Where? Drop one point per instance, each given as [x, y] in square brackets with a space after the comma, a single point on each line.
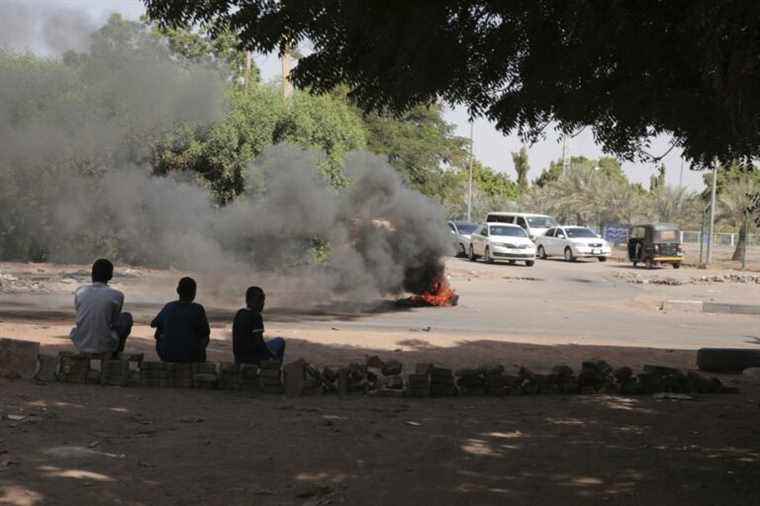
[535, 224]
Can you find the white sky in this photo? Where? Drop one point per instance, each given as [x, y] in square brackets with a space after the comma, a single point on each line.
[491, 147]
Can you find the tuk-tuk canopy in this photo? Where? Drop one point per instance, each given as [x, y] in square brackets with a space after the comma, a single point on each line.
[657, 232]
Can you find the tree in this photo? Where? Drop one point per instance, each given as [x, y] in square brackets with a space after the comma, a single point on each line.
[326, 122]
[522, 167]
[678, 205]
[588, 194]
[549, 174]
[491, 191]
[420, 145]
[629, 70]
[658, 181]
[735, 197]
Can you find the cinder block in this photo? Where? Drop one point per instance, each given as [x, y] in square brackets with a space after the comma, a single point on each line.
[18, 359]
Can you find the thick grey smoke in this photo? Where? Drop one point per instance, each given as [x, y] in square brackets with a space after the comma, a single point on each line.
[75, 184]
[43, 27]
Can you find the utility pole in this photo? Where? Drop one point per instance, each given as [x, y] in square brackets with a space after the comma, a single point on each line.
[712, 214]
[680, 178]
[565, 157]
[287, 86]
[247, 74]
[469, 185]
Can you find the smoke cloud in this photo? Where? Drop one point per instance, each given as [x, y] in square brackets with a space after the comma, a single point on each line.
[76, 184]
[43, 27]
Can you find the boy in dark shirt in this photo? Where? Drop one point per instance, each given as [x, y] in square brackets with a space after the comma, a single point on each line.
[182, 330]
[248, 343]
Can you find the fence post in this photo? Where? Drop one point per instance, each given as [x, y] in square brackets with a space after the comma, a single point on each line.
[732, 240]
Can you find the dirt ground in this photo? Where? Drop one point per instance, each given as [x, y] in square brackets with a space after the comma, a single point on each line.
[102, 445]
[69, 444]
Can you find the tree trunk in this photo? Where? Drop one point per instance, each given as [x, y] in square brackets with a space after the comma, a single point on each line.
[741, 243]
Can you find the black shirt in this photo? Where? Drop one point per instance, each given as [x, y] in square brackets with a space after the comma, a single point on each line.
[248, 338]
[182, 332]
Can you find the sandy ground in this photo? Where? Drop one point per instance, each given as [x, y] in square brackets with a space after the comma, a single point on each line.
[101, 445]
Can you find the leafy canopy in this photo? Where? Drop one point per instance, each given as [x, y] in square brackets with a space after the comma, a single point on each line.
[629, 70]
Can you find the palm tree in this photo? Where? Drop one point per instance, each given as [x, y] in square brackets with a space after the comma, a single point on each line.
[678, 205]
[733, 201]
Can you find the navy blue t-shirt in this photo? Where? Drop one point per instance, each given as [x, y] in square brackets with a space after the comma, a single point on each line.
[182, 332]
[248, 338]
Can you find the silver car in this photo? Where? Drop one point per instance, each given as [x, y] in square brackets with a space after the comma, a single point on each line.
[461, 232]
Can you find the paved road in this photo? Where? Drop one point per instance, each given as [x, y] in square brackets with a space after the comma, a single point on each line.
[584, 302]
[554, 302]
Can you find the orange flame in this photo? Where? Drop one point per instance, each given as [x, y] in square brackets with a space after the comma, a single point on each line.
[440, 294]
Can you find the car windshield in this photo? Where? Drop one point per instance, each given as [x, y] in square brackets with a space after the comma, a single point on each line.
[574, 233]
[508, 231]
[466, 228]
[541, 221]
[666, 235]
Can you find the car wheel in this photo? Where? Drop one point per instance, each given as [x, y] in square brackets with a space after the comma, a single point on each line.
[462, 251]
[677, 265]
[511, 262]
[488, 255]
[473, 258]
[602, 259]
[569, 255]
[541, 253]
[529, 263]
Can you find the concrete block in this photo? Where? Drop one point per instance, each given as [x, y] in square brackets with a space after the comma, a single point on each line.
[691, 306]
[18, 359]
[295, 378]
[727, 359]
[716, 307]
[48, 368]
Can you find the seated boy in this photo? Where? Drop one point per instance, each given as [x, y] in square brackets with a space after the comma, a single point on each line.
[101, 327]
[248, 343]
[182, 330]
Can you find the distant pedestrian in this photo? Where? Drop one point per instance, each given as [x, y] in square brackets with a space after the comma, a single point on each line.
[101, 327]
[182, 329]
[248, 342]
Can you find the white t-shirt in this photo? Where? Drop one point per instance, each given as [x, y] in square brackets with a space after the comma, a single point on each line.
[98, 307]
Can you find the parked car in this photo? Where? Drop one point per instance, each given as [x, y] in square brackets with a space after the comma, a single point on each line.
[535, 225]
[655, 244]
[461, 231]
[572, 243]
[502, 242]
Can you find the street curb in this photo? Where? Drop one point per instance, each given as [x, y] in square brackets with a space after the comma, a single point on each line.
[691, 306]
[698, 306]
[715, 307]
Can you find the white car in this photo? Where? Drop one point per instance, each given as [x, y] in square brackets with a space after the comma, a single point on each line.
[461, 232]
[572, 243]
[535, 224]
[502, 242]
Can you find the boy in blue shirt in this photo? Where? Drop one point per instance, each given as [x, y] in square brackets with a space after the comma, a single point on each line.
[182, 329]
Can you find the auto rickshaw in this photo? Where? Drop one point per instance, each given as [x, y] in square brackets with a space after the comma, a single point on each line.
[655, 244]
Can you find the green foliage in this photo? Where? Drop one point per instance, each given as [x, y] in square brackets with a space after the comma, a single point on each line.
[420, 145]
[522, 167]
[221, 52]
[325, 122]
[597, 193]
[549, 174]
[629, 70]
[491, 191]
